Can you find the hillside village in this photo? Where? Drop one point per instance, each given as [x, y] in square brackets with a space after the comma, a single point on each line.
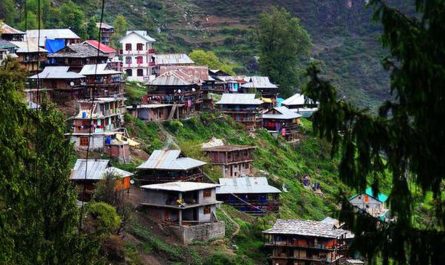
[182, 191]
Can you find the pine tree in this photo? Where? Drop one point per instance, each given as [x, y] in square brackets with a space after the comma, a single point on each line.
[404, 143]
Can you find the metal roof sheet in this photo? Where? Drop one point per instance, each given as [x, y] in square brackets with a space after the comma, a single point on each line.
[6, 29]
[27, 47]
[99, 69]
[141, 33]
[94, 169]
[172, 58]
[245, 185]
[306, 228]
[50, 34]
[57, 72]
[180, 186]
[170, 160]
[79, 50]
[116, 172]
[239, 99]
[259, 82]
[297, 99]
[284, 114]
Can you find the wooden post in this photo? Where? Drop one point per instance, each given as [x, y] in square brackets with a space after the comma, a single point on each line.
[180, 211]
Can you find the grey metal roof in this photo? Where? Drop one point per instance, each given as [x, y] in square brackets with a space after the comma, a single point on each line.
[79, 50]
[6, 29]
[116, 172]
[306, 228]
[27, 47]
[104, 25]
[99, 69]
[57, 72]
[170, 160]
[259, 82]
[245, 185]
[228, 148]
[239, 99]
[171, 78]
[172, 58]
[94, 169]
[297, 99]
[180, 186]
[284, 114]
[141, 33]
[50, 34]
[4, 44]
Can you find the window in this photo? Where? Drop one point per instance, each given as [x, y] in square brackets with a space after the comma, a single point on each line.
[139, 60]
[140, 72]
[84, 141]
[207, 193]
[128, 47]
[128, 60]
[129, 72]
[139, 46]
[207, 210]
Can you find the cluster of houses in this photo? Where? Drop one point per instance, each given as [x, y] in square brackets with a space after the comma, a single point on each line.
[91, 75]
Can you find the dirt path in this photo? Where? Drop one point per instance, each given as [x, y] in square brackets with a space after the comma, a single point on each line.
[169, 138]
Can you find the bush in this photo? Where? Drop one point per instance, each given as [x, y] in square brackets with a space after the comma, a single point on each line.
[102, 218]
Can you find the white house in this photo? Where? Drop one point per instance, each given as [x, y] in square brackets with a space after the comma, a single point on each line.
[137, 55]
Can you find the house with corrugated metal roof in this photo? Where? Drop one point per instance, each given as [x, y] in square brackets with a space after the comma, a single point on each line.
[261, 85]
[234, 160]
[169, 165]
[97, 122]
[66, 35]
[76, 56]
[88, 172]
[243, 108]
[170, 60]
[301, 104]
[30, 55]
[106, 32]
[102, 80]
[282, 121]
[251, 195]
[373, 204]
[188, 209]
[137, 52]
[306, 242]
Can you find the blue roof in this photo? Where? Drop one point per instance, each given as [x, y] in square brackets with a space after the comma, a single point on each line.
[381, 197]
[279, 101]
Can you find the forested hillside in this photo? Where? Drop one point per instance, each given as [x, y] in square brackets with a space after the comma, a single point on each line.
[343, 35]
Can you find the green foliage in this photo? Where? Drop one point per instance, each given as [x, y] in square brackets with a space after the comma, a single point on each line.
[134, 91]
[209, 58]
[38, 212]
[282, 41]
[120, 27]
[146, 133]
[403, 142]
[92, 32]
[7, 11]
[104, 217]
[73, 16]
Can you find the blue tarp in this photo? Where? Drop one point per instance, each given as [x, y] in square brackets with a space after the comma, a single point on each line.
[53, 46]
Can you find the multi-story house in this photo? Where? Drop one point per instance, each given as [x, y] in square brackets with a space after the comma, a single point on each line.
[137, 55]
[106, 31]
[300, 242]
[65, 36]
[282, 121]
[235, 160]
[76, 56]
[30, 55]
[9, 33]
[170, 60]
[187, 208]
[97, 122]
[169, 165]
[102, 81]
[252, 195]
[243, 108]
[263, 86]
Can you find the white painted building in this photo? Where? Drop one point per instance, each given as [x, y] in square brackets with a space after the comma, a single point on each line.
[137, 55]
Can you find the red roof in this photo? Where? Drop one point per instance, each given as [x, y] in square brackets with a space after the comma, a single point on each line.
[103, 48]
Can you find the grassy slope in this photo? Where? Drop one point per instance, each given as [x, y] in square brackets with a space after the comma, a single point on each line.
[283, 162]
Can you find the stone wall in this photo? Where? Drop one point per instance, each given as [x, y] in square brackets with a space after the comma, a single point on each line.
[201, 232]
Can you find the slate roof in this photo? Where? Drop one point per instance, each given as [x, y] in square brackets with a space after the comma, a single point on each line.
[170, 160]
[27, 47]
[102, 47]
[195, 73]
[245, 185]
[6, 29]
[178, 77]
[239, 99]
[259, 82]
[57, 72]
[172, 58]
[228, 148]
[97, 169]
[80, 50]
[50, 34]
[99, 69]
[180, 186]
[141, 33]
[306, 228]
[284, 114]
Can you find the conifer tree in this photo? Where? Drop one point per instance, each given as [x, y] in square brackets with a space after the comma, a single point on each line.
[405, 142]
